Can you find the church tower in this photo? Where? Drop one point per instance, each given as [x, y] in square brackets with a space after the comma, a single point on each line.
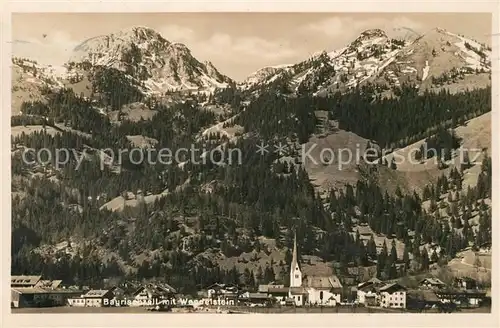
[295, 273]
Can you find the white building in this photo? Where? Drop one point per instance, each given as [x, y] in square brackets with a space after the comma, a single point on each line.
[312, 289]
[93, 298]
[393, 296]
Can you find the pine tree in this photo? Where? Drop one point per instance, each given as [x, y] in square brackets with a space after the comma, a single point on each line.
[371, 248]
[406, 257]
[394, 254]
[424, 260]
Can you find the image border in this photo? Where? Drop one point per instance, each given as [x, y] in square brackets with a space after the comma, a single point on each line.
[243, 320]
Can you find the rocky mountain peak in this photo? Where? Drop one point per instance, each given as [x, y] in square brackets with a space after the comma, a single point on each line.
[144, 54]
[372, 34]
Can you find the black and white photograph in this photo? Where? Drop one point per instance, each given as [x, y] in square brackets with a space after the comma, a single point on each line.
[251, 163]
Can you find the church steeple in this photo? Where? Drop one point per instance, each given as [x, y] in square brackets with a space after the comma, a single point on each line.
[294, 254]
[295, 273]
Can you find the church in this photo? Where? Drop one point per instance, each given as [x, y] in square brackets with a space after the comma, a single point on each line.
[312, 289]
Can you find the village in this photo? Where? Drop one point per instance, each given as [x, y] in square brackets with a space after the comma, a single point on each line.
[303, 292]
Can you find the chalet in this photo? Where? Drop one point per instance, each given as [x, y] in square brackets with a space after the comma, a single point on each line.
[485, 248]
[372, 281]
[276, 292]
[24, 281]
[255, 298]
[40, 297]
[152, 294]
[364, 230]
[465, 283]
[267, 288]
[431, 283]
[368, 292]
[393, 296]
[49, 284]
[93, 298]
[223, 292]
[368, 295]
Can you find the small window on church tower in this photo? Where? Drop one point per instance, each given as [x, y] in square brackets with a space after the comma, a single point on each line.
[296, 276]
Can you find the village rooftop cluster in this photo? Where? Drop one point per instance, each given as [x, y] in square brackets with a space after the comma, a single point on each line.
[302, 291]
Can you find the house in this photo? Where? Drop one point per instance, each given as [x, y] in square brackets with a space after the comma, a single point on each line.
[152, 294]
[431, 283]
[40, 297]
[276, 292]
[485, 248]
[393, 296]
[24, 281]
[49, 284]
[145, 296]
[268, 287]
[223, 292]
[369, 282]
[255, 298]
[368, 292]
[465, 283]
[93, 298]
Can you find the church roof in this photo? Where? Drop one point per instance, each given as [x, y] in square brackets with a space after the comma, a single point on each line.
[322, 282]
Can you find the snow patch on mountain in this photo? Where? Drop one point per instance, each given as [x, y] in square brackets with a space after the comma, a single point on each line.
[425, 71]
[145, 55]
[373, 57]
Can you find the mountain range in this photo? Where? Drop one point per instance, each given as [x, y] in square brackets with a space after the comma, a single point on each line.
[162, 66]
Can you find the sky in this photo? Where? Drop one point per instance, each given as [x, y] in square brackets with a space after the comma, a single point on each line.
[237, 44]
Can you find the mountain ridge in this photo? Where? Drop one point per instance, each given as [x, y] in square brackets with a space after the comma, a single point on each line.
[375, 58]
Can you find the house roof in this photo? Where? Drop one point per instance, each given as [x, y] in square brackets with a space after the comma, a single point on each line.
[322, 282]
[370, 288]
[166, 288]
[29, 290]
[263, 288]
[364, 230]
[392, 287]
[256, 295]
[278, 290]
[369, 282]
[269, 288]
[24, 280]
[39, 290]
[433, 281]
[48, 283]
[96, 293]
